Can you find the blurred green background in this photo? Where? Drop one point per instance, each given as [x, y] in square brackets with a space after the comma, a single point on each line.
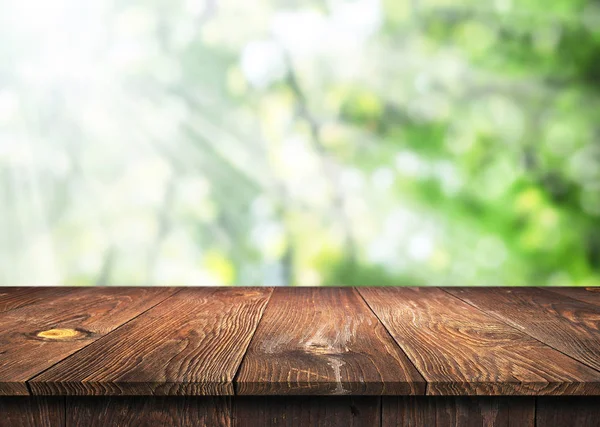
[367, 142]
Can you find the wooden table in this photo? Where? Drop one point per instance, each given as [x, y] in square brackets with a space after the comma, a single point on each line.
[300, 356]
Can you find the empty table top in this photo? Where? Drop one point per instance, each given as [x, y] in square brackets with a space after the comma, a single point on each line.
[299, 341]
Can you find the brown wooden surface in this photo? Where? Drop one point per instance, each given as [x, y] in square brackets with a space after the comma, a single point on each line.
[569, 411]
[13, 298]
[324, 341]
[163, 411]
[589, 295]
[300, 411]
[459, 411]
[27, 411]
[296, 411]
[191, 344]
[568, 325]
[37, 335]
[462, 351]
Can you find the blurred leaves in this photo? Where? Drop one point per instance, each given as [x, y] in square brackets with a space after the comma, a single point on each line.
[350, 142]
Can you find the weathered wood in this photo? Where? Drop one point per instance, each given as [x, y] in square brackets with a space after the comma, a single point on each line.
[35, 336]
[462, 351]
[293, 411]
[458, 411]
[12, 298]
[190, 344]
[568, 411]
[589, 295]
[324, 341]
[311, 341]
[27, 411]
[351, 411]
[568, 325]
[164, 411]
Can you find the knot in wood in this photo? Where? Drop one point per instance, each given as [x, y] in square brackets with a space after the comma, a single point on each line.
[60, 334]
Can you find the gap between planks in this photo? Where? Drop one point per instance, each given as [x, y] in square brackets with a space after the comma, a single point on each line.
[197, 309]
[361, 297]
[27, 382]
[399, 346]
[238, 369]
[572, 375]
[302, 330]
[524, 331]
[393, 340]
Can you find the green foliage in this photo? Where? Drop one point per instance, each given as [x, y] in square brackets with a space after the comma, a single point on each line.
[430, 142]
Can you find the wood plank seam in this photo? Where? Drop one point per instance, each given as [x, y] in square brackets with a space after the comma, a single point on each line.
[578, 331]
[503, 320]
[511, 326]
[404, 311]
[393, 340]
[324, 341]
[27, 382]
[566, 295]
[488, 324]
[35, 336]
[553, 294]
[190, 344]
[237, 370]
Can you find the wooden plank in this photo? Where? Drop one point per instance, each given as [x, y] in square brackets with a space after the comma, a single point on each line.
[36, 336]
[300, 411]
[148, 411]
[568, 325]
[191, 344]
[462, 351]
[324, 341]
[25, 411]
[293, 411]
[458, 411]
[12, 298]
[589, 295]
[581, 411]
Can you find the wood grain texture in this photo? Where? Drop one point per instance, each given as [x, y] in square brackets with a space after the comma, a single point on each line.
[589, 295]
[462, 351]
[12, 298]
[296, 411]
[190, 344]
[324, 341]
[167, 411]
[458, 411]
[35, 336]
[27, 411]
[568, 411]
[568, 325]
[352, 411]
